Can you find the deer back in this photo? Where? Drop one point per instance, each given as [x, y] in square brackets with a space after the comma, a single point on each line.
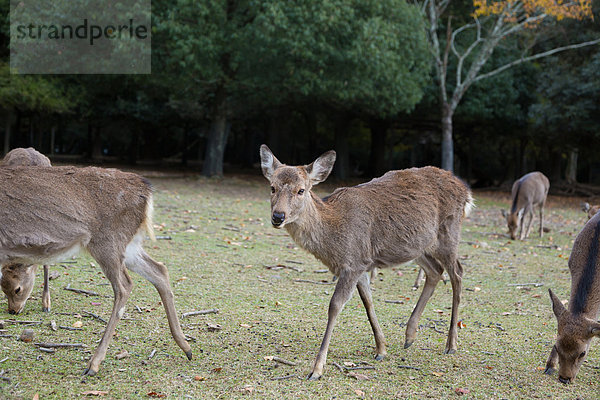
[47, 212]
[25, 157]
[532, 188]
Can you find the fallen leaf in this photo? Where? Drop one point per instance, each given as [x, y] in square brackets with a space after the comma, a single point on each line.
[359, 392]
[199, 378]
[122, 354]
[158, 395]
[268, 358]
[488, 367]
[537, 296]
[277, 304]
[399, 273]
[437, 373]
[358, 377]
[477, 288]
[36, 397]
[246, 326]
[349, 364]
[213, 327]
[461, 391]
[94, 393]
[77, 324]
[247, 390]
[506, 313]
[461, 324]
[218, 369]
[183, 278]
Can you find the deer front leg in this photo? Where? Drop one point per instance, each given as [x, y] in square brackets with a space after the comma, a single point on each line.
[122, 285]
[46, 291]
[552, 362]
[343, 292]
[455, 275]
[528, 214]
[364, 290]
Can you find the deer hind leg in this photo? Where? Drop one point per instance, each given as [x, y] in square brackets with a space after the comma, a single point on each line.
[343, 292]
[542, 220]
[121, 283]
[552, 362]
[46, 291]
[455, 275]
[138, 261]
[433, 274]
[364, 290]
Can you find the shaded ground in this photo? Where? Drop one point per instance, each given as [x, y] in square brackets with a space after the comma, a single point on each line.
[224, 254]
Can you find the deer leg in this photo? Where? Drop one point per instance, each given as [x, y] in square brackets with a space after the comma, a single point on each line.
[141, 263]
[46, 291]
[364, 290]
[455, 275]
[343, 292]
[528, 214]
[552, 362]
[541, 220]
[419, 279]
[122, 285]
[433, 274]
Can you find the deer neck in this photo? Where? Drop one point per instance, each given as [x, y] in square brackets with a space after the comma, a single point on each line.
[311, 231]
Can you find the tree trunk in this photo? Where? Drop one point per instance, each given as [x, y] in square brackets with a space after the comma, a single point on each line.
[217, 137]
[378, 135]
[447, 141]
[52, 139]
[342, 164]
[571, 173]
[7, 133]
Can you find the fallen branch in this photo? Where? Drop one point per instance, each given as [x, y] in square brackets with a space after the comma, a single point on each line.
[526, 284]
[394, 301]
[294, 262]
[321, 271]
[95, 316]
[338, 366]
[284, 361]
[68, 328]
[4, 359]
[201, 312]
[7, 336]
[152, 354]
[409, 367]
[164, 238]
[17, 322]
[47, 350]
[360, 367]
[57, 345]
[280, 378]
[81, 291]
[280, 266]
[313, 282]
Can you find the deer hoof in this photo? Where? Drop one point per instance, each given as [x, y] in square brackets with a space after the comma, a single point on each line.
[379, 357]
[89, 372]
[313, 376]
[189, 354]
[449, 351]
[549, 371]
[45, 309]
[407, 344]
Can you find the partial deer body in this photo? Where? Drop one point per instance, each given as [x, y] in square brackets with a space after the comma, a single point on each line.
[590, 210]
[529, 191]
[578, 325]
[413, 214]
[17, 280]
[48, 214]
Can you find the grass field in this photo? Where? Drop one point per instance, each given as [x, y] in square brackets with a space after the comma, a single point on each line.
[223, 254]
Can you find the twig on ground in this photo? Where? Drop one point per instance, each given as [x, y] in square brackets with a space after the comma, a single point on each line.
[360, 367]
[534, 284]
[81, 291]
[394, 301]
[338, 366]
[152, 354]
[321, 271]
[69, 328]
[294, 262]
[95, 316]
[280, 378]
[47, 350]
[57, 345]
[4, 359]
[201, 312]
[284, 361]
[313, 282]
[408, 367]
[280, 266]
[17, 322]
[164, 238]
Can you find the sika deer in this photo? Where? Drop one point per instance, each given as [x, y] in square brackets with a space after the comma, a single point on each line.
[16, 280]
[529, 191]
[590, 210]
[578, 325]
[50, 213]
[401, 216]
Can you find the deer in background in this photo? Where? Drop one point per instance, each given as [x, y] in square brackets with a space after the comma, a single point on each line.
[49, 214]
[590, 210]
[413, 214]
[578, 325]
[529, 191]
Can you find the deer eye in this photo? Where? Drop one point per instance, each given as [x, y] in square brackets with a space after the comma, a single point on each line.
[301, 191]
[272, 189]
[17, 290]
[582, 355]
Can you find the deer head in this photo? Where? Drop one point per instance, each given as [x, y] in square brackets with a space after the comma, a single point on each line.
[290, 186]
[17, 282]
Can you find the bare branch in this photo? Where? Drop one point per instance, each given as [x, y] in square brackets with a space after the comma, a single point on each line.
[536, 57]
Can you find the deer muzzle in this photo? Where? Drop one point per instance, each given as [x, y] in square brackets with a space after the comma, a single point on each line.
[277, 219]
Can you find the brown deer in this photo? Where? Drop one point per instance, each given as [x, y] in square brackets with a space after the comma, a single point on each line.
[48, 214]
[413, 214]
[528, 191]
[17, 280]
[578, 325]
[590, 210]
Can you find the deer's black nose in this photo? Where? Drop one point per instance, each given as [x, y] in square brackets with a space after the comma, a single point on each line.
[13, 312]
[564, 380]
[277, 218]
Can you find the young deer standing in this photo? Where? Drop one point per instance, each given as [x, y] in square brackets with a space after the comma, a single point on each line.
[578, 325]
[17, 280]
[51, 213]
[401, 216]
[529, 191]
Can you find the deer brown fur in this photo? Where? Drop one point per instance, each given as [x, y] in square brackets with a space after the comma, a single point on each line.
[590, 210]
[578, 324]
[413, 214]
[17, 280]
[528, 191]
[48, 214]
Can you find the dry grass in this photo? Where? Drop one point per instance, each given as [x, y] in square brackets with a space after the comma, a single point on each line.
[221, 244]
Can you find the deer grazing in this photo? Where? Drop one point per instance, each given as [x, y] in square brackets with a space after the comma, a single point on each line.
[528, 191]
[48, 214]
[590, 210]
[17, 280]
[413, 214]
[578, 325]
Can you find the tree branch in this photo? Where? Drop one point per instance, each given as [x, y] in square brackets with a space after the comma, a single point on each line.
[536, 57]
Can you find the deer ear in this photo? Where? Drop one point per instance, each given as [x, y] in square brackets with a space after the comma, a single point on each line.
[557, 305]
[268, 162]
[595, 329]
[320, 169]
